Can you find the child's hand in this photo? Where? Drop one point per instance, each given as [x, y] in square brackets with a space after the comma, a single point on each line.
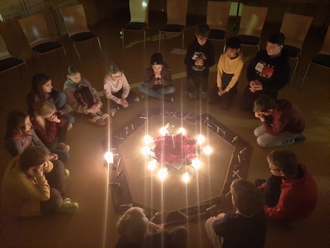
[199, 62]
[157, 74]
[53, 156]
[124, 103]
[221, 92]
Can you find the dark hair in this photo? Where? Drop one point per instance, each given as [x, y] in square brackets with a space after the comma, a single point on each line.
[233, 42]
[203, 30]
[72, 70]
[248, 199]
[114, 68]
[38, 81]
[16, 123]
[33, 156]
[277, 38]
[132, 225]
[286, 160]
[264, 103]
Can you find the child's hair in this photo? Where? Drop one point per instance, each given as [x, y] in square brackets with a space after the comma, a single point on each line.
[16, 124]
[286, 160]
[277, 38]
[41, 109]
[264, 103]
[233, 42]
[73, 70]
[33, 156]
[132, 225]
[247, 198]
[114, 68]
[203, 30]
[38, 81]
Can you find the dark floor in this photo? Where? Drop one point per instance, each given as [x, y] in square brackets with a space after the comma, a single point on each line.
[95, 223]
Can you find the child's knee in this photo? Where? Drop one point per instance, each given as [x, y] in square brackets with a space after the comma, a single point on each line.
[262, 142]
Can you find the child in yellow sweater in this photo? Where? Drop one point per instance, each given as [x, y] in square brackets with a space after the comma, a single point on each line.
[229, 69]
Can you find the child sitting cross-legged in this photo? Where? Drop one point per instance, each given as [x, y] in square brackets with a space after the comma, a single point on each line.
[117, 89]
[82, 97]
[244, 228]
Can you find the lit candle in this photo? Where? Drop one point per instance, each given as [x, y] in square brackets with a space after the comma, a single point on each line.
[108, 156]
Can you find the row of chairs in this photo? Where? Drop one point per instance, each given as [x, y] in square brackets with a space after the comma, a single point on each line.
[295, 27]
[37, 34]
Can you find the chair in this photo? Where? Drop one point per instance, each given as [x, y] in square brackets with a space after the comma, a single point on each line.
[251, 24]
[37, 35]
[217, 18]
[8, 62]
[139, 10]
[176, 19]
[322, 59]
[76, 24]
[295, 28]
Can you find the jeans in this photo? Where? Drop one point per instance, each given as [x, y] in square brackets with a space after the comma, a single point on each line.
[265, 139]
[157, 93]
[214, 239]
[60, 104]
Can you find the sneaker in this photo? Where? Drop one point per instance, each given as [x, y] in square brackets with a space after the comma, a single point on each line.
[136, 99]
[300, 137]
[67, 200]
[63, 147]
[113, 112]
[192, 96]
[70, 126]
[97, 120]
[66, 173]
[68, 207]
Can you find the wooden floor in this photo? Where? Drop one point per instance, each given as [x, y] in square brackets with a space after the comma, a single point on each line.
[95, 223]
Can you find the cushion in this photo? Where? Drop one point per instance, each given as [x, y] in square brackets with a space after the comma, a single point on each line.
[83, 36]
[217, 34]
[172, 28]
[292, 51]
[47, 47]
[8, 63]
[135, 25]
[322, 59]
[249, 40]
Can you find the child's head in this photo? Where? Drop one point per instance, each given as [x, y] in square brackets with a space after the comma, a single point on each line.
[202, 34]
[43, 109]
[33, 158]
[41, 84]
[132, 226]
[275, 44]
[233, 46]
[115, 71]
[18, 122]
[74, 74]
[282, 163]
[264, 105]
[157, 62]
[246, 197]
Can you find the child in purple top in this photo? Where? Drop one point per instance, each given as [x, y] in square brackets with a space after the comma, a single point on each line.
[42, 89]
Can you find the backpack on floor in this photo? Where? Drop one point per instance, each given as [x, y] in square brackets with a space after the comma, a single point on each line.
[84, 95]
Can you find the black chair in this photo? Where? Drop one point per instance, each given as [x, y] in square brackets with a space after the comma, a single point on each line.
[322, 59]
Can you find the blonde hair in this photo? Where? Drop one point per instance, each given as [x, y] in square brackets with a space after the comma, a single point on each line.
[41, 109]
[248, 199]
[133, 225]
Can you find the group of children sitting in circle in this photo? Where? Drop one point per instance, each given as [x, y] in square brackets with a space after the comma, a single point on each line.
[34, 184]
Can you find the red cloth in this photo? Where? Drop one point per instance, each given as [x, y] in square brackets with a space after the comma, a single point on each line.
[174, 149]
[297, 200]
[285, 118]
